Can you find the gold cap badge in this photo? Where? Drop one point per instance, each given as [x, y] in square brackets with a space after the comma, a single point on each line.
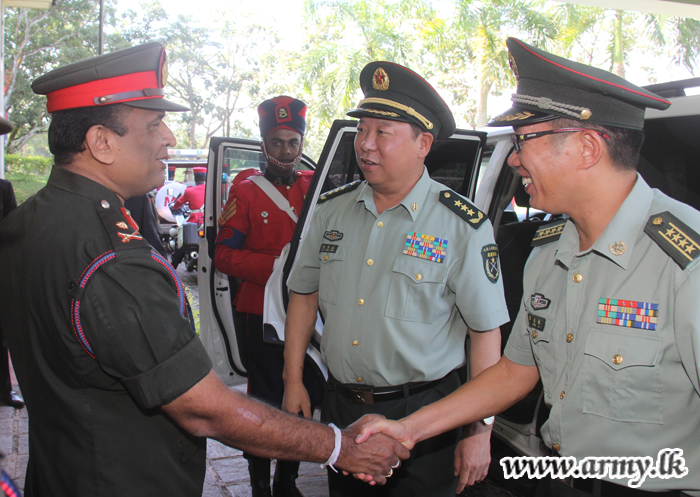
[380, 80]
[513, 66]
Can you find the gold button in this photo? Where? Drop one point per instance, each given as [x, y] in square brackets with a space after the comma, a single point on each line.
[447, 194]
[288, 187]
[359, 378]
[370, 262]
[586, 114]
[657, 221]
[380, 224]
[355, 343]
[562, 394]
[534, 334]
[569, 338]
[617, 359]
[361, 301]
[325, 257]
[419, 277]
[578, 278]
[556, 447]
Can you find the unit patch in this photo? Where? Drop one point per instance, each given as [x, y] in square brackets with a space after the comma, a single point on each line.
[490, 255]
[539, 301]
[674, 237]
[426, 247]
[339, 191]
[548, 233]
[327, 247]
[333, 235]
[463, 208]
[628, 313]
[535, 322]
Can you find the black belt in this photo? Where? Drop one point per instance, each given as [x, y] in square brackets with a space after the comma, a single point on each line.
[372, 395]
[609, 489]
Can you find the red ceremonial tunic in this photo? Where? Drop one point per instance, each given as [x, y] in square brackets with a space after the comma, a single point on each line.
[194, 196]
[252, 233]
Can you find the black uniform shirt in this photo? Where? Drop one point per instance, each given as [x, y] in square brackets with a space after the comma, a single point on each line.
[100, 337]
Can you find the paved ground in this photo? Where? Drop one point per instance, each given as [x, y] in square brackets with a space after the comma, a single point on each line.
[227, 470]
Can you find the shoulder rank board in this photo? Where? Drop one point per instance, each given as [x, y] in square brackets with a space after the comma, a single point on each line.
[548, 233]
[674, 237]
[339, 191]
[463, 208]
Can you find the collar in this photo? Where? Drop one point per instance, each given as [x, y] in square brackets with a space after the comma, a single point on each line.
[281, 180]
[620, 236]
[80, 185]
[413, 202]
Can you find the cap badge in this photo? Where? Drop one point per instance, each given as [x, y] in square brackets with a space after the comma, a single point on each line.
[380, 80]
[617, 248]
[282, 113]
[164, 70]
[513, 66]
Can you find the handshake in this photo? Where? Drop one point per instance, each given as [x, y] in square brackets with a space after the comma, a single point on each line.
[373, 447]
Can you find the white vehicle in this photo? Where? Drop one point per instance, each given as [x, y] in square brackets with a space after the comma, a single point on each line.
[473, 164]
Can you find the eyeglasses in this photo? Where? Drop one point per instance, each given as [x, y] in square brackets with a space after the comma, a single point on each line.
[518, 139]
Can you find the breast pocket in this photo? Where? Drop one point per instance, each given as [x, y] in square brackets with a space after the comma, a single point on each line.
[621, 379]
[416, 287]
[331, 269]
[540, 328]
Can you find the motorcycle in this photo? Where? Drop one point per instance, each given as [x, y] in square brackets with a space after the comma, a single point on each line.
[184, 237]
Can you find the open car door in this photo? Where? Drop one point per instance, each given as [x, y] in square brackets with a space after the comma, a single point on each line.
[227, 158]
[453, 161]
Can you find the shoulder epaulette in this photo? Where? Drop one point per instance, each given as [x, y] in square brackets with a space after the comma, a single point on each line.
[463, 208]
[674, 237]
[339, 191]
[548, 233]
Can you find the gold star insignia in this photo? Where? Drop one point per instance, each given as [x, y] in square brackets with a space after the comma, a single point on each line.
[458, 203]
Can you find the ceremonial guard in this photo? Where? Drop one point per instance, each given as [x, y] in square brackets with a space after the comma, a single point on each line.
[255, 225]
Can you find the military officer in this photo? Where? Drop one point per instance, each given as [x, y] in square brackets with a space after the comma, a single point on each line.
[257, 222]
[400, 267]
[118, 387]
[608, 318]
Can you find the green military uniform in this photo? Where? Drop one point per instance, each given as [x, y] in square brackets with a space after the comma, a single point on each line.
[99, 334]
[391, 316]
[621, 378]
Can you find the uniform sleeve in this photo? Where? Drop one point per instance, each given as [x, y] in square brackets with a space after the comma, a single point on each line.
[307, 268]
[181, 200]
[230, 256]
[687, 323]
[478, 285]
[133, 317]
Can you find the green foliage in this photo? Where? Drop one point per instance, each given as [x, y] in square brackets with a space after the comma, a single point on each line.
[26, 185]
[19, 164]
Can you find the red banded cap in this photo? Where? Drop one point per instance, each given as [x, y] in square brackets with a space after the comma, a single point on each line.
[282, 113]
[134, 76]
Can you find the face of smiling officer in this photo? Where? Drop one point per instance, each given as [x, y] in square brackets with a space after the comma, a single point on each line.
[390, 154]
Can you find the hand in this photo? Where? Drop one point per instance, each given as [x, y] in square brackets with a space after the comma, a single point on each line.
[373, 459]
[472, 458]
[395, 429]
[296, 399]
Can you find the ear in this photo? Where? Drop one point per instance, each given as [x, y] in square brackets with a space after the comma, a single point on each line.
[425, 142]
[100, 143]
[593, 148]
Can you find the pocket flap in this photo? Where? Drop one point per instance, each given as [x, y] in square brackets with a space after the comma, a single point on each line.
[420, 271]
[622, 350]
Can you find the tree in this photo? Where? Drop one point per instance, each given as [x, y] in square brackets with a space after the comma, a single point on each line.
[37, 41]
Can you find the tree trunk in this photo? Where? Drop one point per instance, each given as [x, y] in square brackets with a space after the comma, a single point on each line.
[618, 55]
[482, 100]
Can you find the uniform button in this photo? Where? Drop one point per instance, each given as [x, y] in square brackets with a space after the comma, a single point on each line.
[578, 278]
[380, 224]
[617, 359]
[563, 393]
[419, 277]
[265, 221]
[355, 343]
[657, 221]
[361, 301]
[325, 257]
[534, 334]
[370, 262]
[569, 338]
[104, 204]
[359, 378]
[288, 187]
[556, 447]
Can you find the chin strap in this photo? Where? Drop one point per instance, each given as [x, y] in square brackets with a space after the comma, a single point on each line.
[274, 161]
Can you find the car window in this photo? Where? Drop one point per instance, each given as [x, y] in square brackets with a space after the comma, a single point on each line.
[669, 157]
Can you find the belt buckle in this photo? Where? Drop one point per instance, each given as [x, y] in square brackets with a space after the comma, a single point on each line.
[364, 397]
